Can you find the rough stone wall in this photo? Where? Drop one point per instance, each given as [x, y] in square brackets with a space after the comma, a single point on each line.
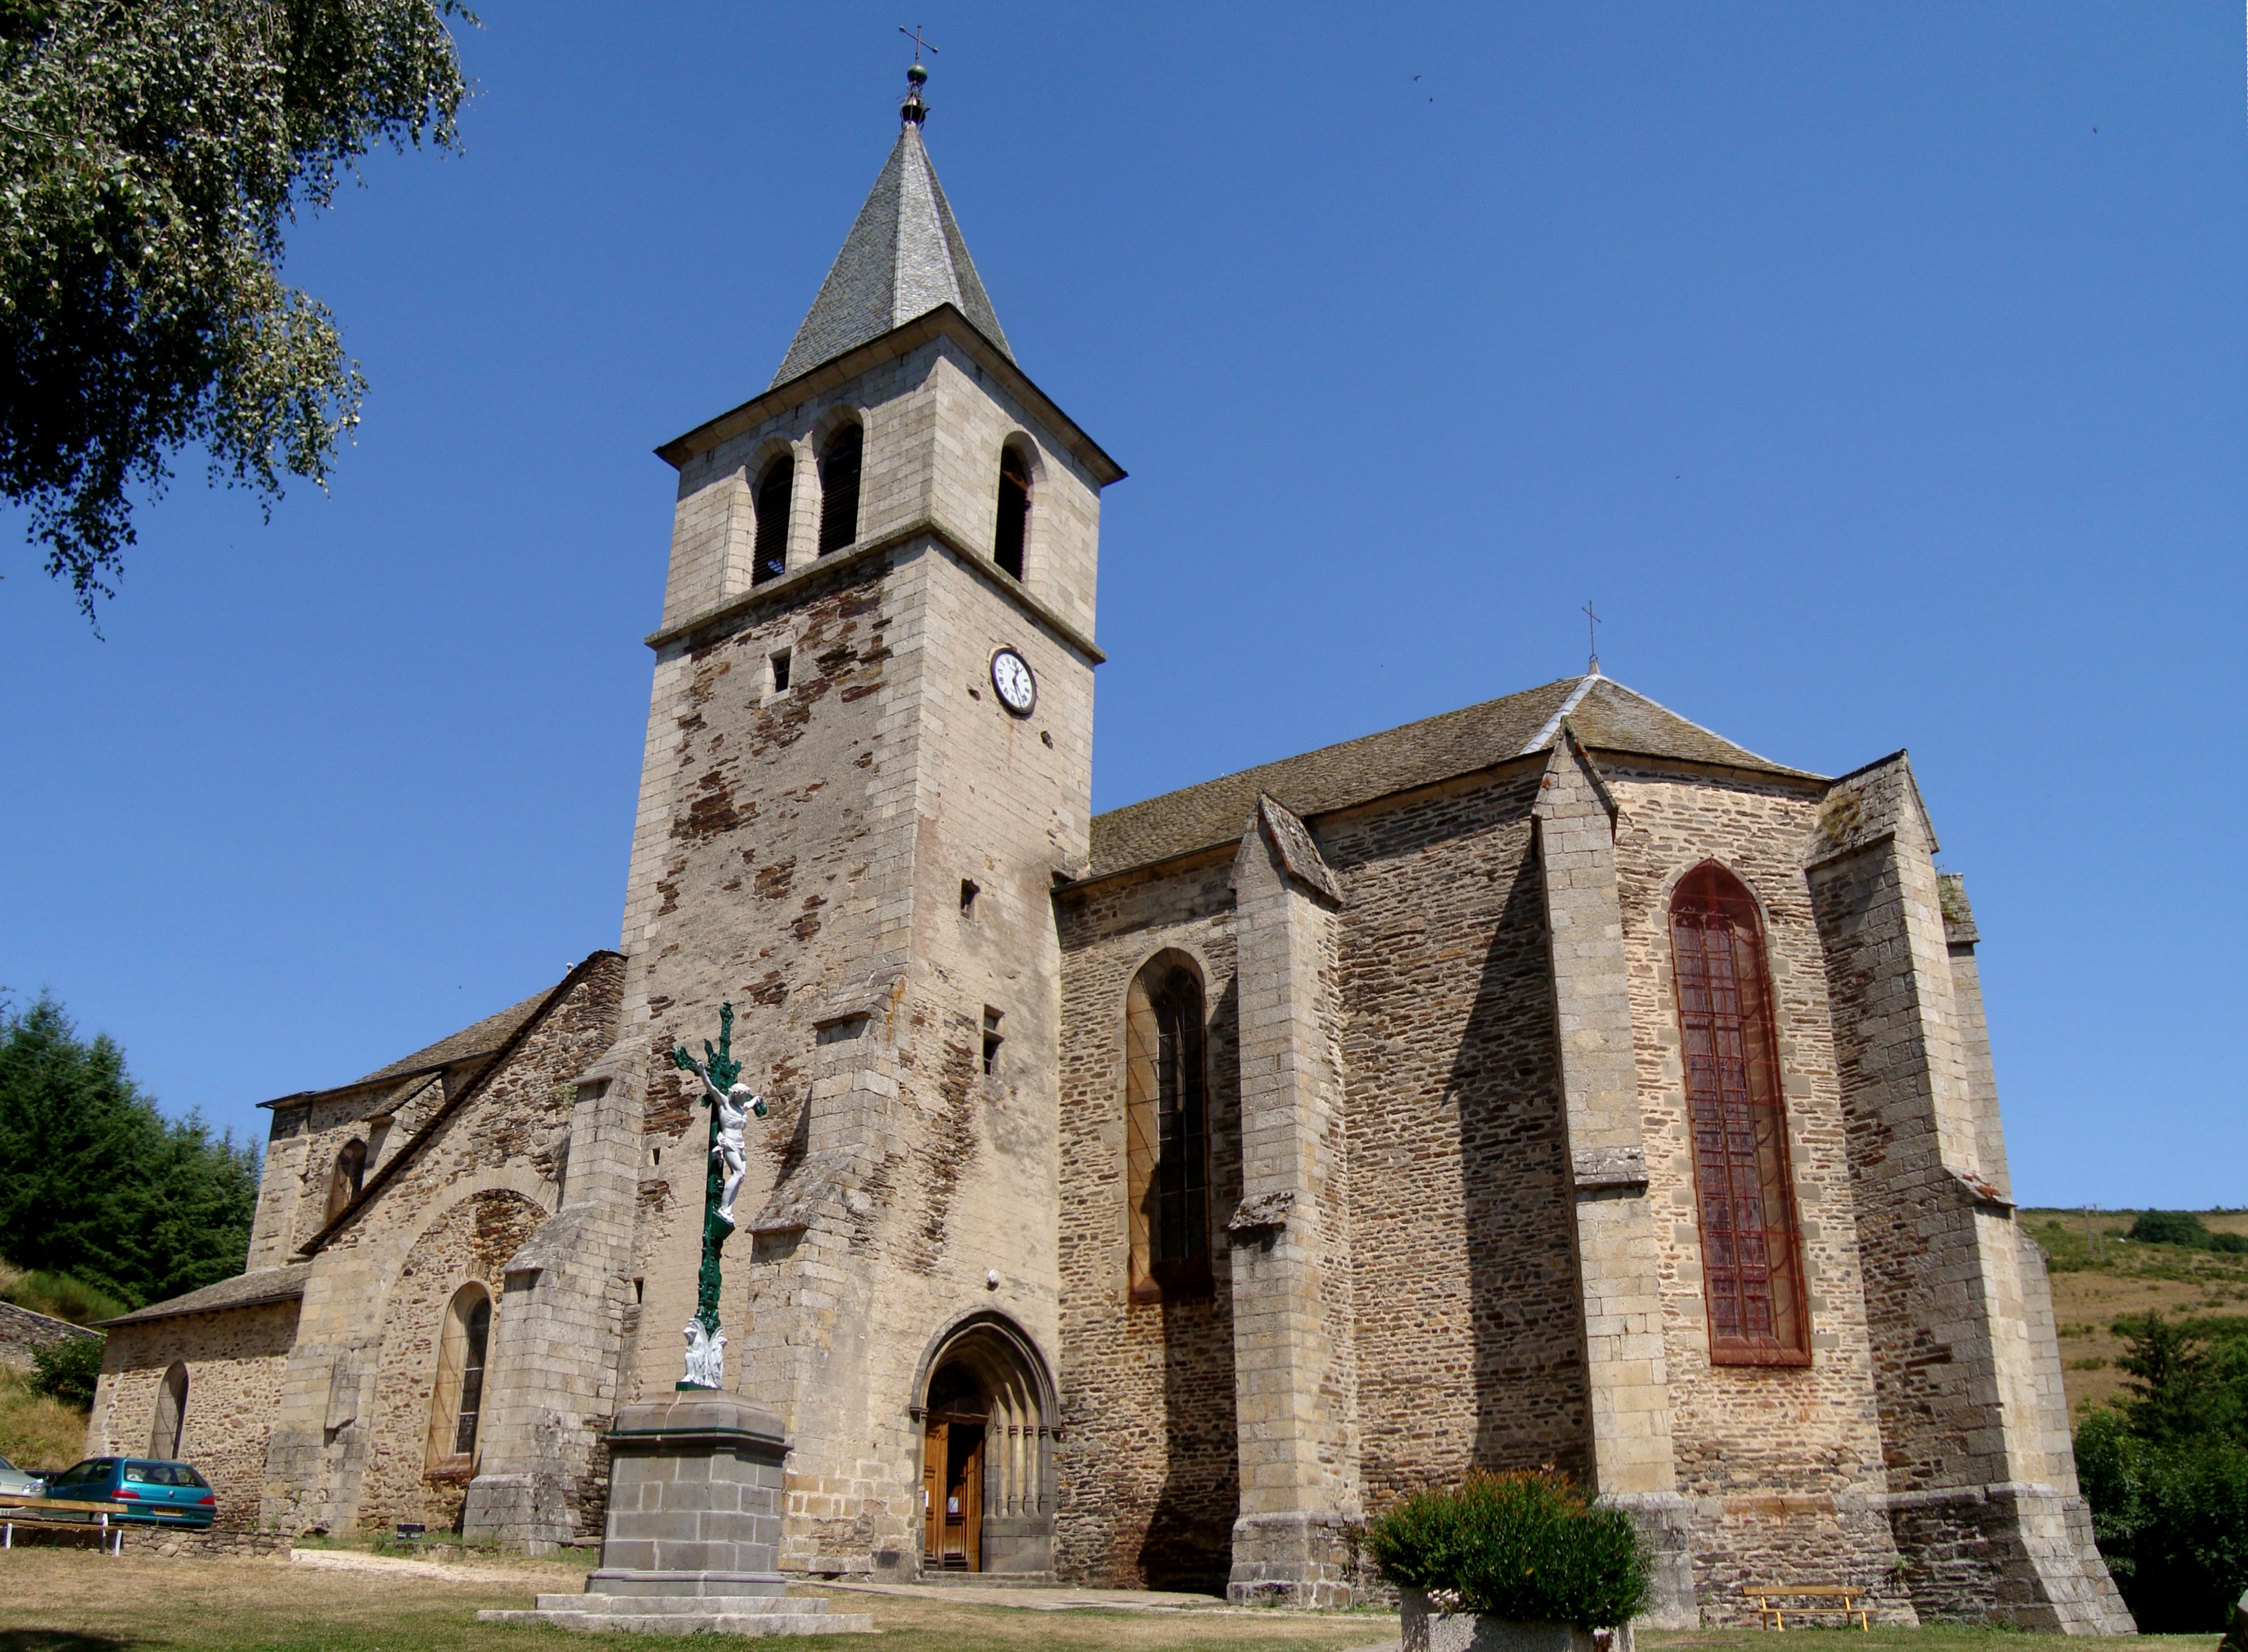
[1466, 1292]
[1149, 1467]
[402, 1479]
[235, 1360]
[350, 1435]
[1784, 1465]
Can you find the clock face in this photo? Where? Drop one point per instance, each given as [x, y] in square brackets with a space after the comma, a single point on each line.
[1010, 675]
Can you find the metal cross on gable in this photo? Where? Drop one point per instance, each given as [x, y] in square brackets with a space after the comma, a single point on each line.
[914, 35]
[1592, 638]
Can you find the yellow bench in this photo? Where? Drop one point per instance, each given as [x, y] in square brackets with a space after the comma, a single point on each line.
[60, 1512]
[1775, 1602]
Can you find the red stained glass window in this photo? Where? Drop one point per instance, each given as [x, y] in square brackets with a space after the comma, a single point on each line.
[1752, 1249]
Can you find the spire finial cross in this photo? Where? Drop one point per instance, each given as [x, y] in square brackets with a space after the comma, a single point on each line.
[912, 110]
[1591, 638]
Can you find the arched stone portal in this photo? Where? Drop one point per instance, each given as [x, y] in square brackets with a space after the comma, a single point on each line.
[986, 1408]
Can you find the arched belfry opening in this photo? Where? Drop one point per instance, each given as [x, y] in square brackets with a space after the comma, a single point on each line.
[986, 1410]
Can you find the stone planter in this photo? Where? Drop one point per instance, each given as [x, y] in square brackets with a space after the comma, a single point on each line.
[1428, 1628]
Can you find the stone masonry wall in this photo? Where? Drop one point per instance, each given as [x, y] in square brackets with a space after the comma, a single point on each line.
[350, 1436]
[1466, 1296]
[1784, 1466]
[1148, 1468]
[235, 1360]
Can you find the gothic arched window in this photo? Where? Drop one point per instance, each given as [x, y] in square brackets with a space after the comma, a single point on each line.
[1752, 1249]
[1167, 1130]
[1014, 528]
[775, 490]
[838, 489]
[457, 1402]
[171, 1420]
[343, 1181]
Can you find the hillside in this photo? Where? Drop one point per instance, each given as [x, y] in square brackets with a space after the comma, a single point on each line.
[2090, 1290]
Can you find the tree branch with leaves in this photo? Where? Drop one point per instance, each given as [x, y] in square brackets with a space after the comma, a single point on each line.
[153, 153]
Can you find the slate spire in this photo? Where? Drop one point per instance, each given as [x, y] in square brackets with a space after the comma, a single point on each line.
[903, 257]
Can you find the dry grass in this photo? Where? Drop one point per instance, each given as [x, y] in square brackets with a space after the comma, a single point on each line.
[37, 1432]
[2089, 1295]
[74, 1600]
[55, 1599]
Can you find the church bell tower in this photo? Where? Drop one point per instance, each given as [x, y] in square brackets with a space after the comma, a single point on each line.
[868, 760]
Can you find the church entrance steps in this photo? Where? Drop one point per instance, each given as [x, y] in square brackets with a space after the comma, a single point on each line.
[688, 1614]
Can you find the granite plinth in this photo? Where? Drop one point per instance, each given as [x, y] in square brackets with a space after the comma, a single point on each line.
[695, 1497]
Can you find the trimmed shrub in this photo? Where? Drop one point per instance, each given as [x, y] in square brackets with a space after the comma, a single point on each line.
[1524, 1547]
[67, 1371]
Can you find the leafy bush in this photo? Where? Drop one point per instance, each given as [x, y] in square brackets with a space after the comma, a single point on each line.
[67, 1371]
[2169, 1227]
[1525, 1547]
[61, 1297]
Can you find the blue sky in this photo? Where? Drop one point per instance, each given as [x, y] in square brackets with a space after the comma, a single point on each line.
[1878, 372]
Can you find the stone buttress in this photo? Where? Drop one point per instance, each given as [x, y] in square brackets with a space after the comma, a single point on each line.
[1983, 1493]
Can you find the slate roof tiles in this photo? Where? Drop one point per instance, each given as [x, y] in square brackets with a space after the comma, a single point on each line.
[1604, 714]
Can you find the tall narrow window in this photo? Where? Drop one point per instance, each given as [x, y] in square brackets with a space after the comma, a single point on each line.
[456, 1400]
[838, 490]
[1167, 1130]
[776, 491]
[1014, 529]
[1752, 1249]
[344, 1182]
[171, 1423]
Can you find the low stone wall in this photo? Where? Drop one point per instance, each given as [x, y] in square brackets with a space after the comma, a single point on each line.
[149, 1540]
[22, 1331]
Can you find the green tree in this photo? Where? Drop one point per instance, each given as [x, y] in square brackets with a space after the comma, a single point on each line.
[152, 154]
[2166, 1472]
[97, 1184]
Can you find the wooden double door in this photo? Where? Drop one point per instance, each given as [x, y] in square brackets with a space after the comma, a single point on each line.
[952, 1492]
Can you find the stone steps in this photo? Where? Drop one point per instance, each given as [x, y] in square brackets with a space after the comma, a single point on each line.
[688, 1614]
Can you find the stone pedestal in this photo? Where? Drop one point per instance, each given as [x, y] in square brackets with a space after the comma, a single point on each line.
[1429, 1629]
[695, 1498]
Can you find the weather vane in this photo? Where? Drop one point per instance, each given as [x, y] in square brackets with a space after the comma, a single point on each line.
[730, 1103]
[912, 110]
[1591, 640]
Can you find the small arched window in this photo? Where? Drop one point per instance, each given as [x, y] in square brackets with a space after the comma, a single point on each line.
[1014, 527]
[1167, 1130]
[838, 490]
[344, 1182]
[457, 1402]
[1752, 1246]
[171, 1421]
[776, 492]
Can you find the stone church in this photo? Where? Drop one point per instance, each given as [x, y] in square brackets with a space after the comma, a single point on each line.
[1148, 1197]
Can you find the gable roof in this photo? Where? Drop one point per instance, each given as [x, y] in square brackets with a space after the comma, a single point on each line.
[903, 257]
[467, 1050]
[1601, 712]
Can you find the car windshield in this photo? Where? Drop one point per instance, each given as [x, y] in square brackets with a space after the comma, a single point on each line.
[6, 1467]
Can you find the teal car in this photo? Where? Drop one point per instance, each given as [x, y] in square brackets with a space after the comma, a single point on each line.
[151, 1492]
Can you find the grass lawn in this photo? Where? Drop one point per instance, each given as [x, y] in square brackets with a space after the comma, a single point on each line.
[73, 1600]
